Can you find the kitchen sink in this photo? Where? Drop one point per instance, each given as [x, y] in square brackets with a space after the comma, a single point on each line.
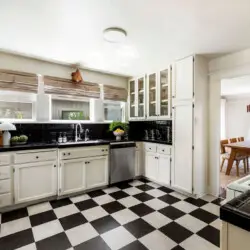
[80, 142]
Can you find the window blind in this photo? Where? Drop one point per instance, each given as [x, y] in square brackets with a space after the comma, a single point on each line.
[62, 86]
[18, 81]
[115, 93]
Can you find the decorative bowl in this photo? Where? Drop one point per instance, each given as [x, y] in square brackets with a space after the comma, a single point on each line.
[118, 135]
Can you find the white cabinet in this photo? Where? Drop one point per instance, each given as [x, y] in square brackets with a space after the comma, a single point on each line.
[139, 163]
[72, 176]
[151, 168]
[96, 172]
[33, 181]
[164, 168]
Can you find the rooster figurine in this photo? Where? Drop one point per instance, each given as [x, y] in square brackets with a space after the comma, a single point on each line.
[76, 76]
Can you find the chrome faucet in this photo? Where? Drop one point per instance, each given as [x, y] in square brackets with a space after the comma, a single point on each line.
[80, 131]
[86, 134]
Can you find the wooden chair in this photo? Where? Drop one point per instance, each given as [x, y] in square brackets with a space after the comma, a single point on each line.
[233, 140]
[241, 139]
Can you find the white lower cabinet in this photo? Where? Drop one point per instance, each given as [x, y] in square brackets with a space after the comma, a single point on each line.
[164, 164]
[33, 181]
[151, 168]
[96, 172]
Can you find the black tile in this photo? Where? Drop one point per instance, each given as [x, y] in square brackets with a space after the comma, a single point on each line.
[17, 240]
[119, 195]
[144, 187]
[144, 197]
[41, 218]
[166, 190]
[87, 204]
[196, 202]
[139, 228]
[123, 185]
[141, 209]
[211, 234]
[105, 224]
[217, 201]
[176, 232]
[113, 207]
[169, 199]
[96, 193]
[178, 248]
[171, 212]
[14, 215]
[96, 243]
[73, 220]
[204, 215]
[136, 245]
[60, 203]
[57, 242]
[144, 180]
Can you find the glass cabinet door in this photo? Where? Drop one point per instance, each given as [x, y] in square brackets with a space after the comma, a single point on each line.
[141, 97]
[152, 95]
[132, 98]
[164, 91]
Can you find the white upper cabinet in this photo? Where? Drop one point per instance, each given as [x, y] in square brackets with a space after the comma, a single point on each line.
[152, 96]
[141, 97]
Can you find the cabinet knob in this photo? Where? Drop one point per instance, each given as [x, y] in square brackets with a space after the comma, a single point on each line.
[54, 166]
[163, 150]
[102, 150]
[37, 157]
[68, 153]
[64, 154]
[150, 148]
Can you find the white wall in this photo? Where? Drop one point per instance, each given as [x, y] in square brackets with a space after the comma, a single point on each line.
[30, 65]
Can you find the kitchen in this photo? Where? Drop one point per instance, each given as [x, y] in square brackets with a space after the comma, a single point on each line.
[105, 145]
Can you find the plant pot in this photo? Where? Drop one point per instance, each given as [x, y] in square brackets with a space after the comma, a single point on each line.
[18, 143]
[118, 135]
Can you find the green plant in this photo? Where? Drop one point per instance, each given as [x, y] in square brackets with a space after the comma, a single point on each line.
[21, 138]
[114, 125]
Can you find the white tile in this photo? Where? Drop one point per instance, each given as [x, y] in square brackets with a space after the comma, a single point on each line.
[156, 219]
[125, 216]
[28, 247]
[47, 229]
[184, 206]
[111, 190]
[15, 226]
[81, 234]
[136, 183]
[156, 204]
[129, 201]
[216, 224]
[103, 199]
[132, 191]
[179, 195]
[79, 198]
[157, 241]
[212, 208]
[156, 193]
[152, 184]
[118, 238]
[94, 213]
[195, 242]
[66, 210]
[209, 198]
[39, 208]
[191, 223]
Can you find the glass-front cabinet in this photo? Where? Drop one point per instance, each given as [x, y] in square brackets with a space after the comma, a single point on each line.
[132, 99]
[152, 95]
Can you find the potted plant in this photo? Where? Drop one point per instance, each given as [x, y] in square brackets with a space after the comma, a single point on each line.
[118, 129]
[19, 140]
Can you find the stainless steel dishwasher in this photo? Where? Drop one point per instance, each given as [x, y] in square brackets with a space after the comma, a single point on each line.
[122, 161]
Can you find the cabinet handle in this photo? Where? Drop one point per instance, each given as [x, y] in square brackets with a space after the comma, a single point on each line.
[54, 166]
[64, 154]
[163, 150]
[37, 157]
[150, 148]
[68, 153]
[107, 150]
[103, 150]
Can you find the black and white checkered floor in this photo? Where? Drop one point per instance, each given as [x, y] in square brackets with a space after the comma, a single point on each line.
[130, 216]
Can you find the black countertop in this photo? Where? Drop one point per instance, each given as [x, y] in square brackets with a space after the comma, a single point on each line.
[156, 141]
[237, 211]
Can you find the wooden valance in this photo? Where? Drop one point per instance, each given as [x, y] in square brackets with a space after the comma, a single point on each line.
[115, 93]
[62, 86]
[18, 81]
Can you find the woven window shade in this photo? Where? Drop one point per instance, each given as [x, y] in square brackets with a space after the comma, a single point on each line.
[18, 81]
[61, 86]
[115, 93]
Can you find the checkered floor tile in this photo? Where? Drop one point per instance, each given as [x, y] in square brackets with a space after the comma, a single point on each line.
[137, 215]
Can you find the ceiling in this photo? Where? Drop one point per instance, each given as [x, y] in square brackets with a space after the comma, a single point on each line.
[159, 31]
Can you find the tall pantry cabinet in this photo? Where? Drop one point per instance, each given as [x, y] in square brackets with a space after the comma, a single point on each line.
[190, 111]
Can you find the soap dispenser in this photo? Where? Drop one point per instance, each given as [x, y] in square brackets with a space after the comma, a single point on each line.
[60, 139]
[64, 139]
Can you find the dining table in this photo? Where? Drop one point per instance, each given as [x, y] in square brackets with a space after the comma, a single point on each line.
[242, 148]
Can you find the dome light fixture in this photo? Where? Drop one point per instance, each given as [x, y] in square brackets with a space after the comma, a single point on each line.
[114, 34]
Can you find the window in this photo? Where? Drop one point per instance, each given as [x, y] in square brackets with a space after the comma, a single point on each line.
[114, 111]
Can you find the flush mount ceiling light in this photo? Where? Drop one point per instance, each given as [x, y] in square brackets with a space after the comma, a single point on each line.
[114, 35]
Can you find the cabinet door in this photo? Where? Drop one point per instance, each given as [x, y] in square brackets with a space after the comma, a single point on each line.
[33, 181]
[151, 170]
[138, 163]
[183, 79]
[183, 146]
[141, 97]
[164, 169]
[133, 111]
[152, 96]
[96, 172]
[72, 176]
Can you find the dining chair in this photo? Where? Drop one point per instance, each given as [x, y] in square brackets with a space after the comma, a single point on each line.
[241, 139]
[233, 140]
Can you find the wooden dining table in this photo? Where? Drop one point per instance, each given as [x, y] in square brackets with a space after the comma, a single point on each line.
[242, 147]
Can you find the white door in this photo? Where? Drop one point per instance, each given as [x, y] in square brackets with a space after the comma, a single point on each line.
[96, 172]
[33, 181]
[164, 169]
[183, 146]
[151, 170]
[72, 176]
[183, 79]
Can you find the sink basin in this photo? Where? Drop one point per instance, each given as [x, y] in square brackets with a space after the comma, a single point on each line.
[80, 142]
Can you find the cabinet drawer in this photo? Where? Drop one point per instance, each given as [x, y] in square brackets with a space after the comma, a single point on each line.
[4, 159]
[163, 149]
[35, 156]
[4, 172]
[150, 147]
[5, 200]
[4, 186]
